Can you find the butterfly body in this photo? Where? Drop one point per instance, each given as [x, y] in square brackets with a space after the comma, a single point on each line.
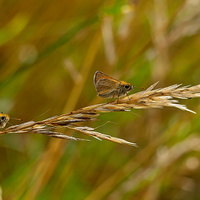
[108, 87]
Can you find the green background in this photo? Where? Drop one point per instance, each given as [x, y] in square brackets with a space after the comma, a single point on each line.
[49, 52]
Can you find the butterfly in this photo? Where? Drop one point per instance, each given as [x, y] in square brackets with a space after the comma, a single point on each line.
[4, 118]
[108, 87]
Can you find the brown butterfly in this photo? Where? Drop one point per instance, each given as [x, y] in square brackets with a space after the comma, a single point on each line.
[108, 87]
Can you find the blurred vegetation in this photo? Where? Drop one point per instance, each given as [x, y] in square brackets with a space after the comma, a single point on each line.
[49, 53]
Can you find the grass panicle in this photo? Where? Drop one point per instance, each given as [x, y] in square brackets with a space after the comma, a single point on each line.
[149, 98]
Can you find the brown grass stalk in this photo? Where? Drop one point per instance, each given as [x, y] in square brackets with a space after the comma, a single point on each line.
[149, 98]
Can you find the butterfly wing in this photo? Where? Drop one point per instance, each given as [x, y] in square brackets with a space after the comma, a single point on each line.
[105, 85]
[100, 75]
[107, 88]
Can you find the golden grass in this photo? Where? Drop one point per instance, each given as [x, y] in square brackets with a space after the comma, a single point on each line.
[149, 98]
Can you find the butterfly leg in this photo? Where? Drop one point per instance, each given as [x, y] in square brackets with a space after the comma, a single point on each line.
[113, 95]
[118, 95]
[117, 99]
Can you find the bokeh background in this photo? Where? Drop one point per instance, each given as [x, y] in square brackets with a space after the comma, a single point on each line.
[49, 51]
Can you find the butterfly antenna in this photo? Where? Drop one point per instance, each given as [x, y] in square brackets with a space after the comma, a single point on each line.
[142, 88]
[16, 119]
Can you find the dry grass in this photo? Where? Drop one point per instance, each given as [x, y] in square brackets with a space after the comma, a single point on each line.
[149, 98]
